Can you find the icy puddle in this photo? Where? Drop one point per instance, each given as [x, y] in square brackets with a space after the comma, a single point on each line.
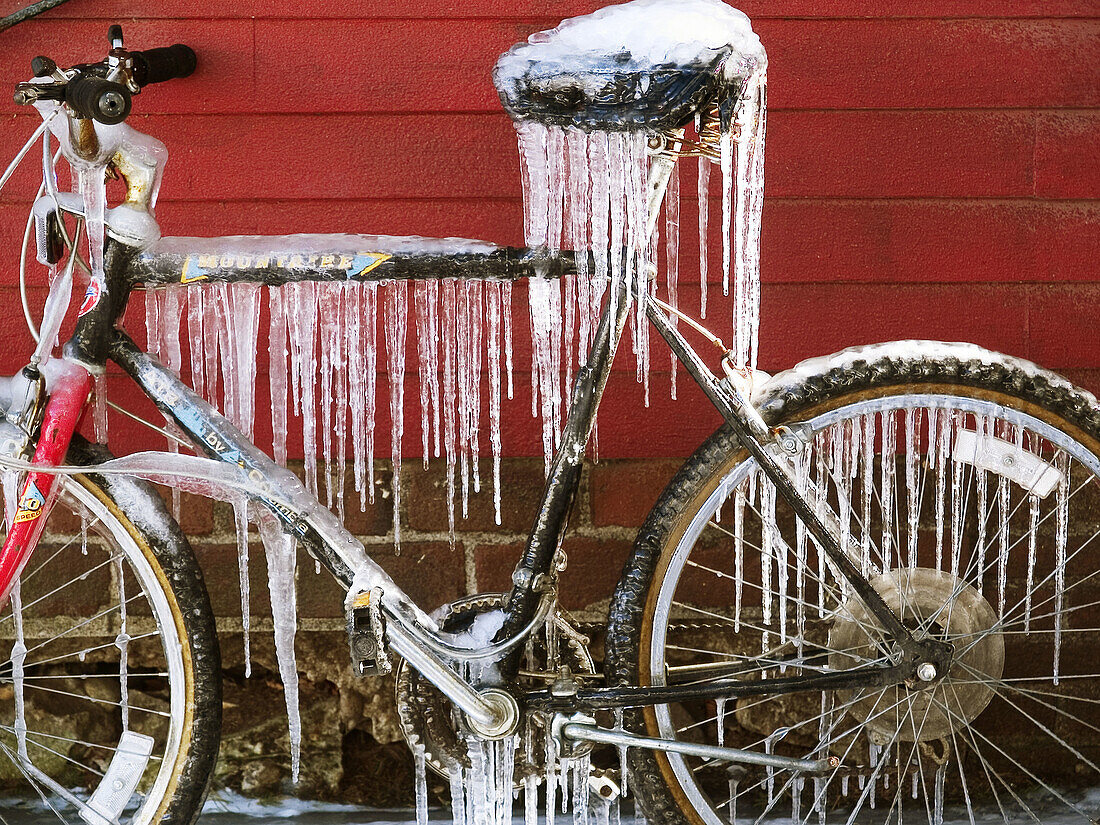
[237, 810]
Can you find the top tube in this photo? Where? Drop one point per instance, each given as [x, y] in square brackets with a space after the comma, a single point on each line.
[280, 259]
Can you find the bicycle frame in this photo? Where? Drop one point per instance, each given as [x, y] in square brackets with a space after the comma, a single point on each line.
[411, 633]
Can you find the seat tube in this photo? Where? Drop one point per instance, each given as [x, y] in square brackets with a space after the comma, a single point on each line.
[528, 579]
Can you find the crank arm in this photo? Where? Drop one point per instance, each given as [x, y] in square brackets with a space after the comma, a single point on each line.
[585, 732]
[636, 696]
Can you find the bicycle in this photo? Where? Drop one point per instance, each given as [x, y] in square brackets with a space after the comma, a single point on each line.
[901, 571]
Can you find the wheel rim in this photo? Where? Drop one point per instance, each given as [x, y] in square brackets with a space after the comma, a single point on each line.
[79, 647]
[1046, 592]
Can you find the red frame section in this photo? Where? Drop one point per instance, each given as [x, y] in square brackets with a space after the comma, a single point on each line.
[69, 393]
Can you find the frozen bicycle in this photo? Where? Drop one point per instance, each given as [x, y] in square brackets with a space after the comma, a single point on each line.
[810, 629]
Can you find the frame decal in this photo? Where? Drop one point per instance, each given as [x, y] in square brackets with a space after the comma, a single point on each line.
[201, 267]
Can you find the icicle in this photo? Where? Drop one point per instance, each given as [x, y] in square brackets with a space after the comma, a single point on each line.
[493, 341]
[99, 412]
[938, 433]
[171, 305]
[1003, 545]
[369, 306]
[986, 430]
[245, 303]
[1060, 541]
[196, 342]
[18, 658]
[725, 151]
[887, 474]
[581, 770]
[769, 748]
[704, 213]
[426, 301]
[544, 318]
[868, 451]
[739, 501]
[956, 506]
[751, 120]
[329, 316]
[1032, 550]
[280, 549]
[802, 478]
[767, 552]
[672, 256]
[624, 769]
[600, 170]
[477, 795]
[912, 484]
[421, 786]
[720, 720]
[396, 318]
[937, 812]
[530, 800]
[820, 443]
[552, 767]
[122, 643]
[458, 796]
[240, 521]
[450, 379]
[301, 314]
[277, 379]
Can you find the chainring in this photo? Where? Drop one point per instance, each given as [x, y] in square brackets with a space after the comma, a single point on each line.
[428, 719]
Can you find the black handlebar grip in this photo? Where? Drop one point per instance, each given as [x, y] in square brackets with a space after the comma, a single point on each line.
[97, 98]
[158, 65]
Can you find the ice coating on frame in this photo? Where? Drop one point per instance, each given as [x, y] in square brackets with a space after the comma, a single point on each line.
[643, 34]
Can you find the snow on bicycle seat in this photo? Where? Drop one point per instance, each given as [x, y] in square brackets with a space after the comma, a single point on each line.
[647, 63]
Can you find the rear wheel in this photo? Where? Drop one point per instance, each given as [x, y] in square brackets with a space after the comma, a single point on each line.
[110, 700]
[979, 528]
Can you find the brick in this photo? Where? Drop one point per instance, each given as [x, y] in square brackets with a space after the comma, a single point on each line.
[594, 568]
[522, 482]
[196, 512]
[622, 491]
[930, 64]
[221, 571]
[899, 154]
[431, 573]
[1060, 322]
[1067, 148]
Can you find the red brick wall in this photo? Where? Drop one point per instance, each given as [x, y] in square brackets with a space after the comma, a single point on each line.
[932, 166]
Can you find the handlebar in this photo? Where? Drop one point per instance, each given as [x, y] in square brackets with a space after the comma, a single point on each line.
[103, 91]
[166, 63]
[98, 98]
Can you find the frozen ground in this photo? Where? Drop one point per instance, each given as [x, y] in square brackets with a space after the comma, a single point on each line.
[236, 810]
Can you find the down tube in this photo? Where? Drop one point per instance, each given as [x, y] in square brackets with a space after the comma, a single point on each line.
[315, 526]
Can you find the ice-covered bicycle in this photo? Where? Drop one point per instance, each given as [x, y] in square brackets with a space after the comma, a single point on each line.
[869, 589]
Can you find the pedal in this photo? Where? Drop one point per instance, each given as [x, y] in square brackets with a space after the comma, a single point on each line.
[367, 635]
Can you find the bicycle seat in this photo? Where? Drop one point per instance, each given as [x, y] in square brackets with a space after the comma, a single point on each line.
[648, 63]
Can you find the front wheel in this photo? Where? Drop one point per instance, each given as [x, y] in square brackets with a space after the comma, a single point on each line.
[970, 485]
[110, 700]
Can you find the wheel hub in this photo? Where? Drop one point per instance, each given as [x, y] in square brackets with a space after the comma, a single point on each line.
[943, 697]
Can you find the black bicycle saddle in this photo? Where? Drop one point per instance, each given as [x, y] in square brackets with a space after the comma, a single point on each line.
[622, 68]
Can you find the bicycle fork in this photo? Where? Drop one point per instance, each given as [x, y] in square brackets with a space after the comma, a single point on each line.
[59, 414]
